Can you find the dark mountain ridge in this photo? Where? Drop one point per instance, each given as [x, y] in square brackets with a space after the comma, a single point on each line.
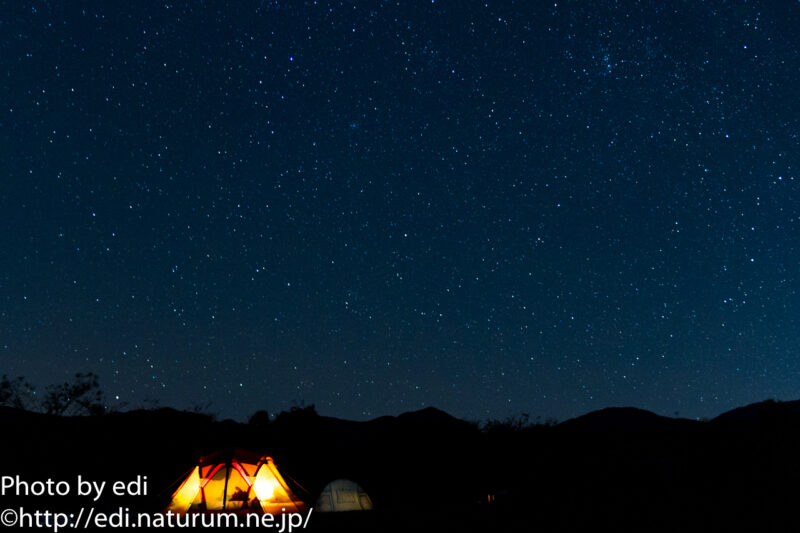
[624, 467]
[625, 419]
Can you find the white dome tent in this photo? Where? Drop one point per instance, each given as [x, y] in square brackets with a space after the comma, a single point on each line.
[343, 495]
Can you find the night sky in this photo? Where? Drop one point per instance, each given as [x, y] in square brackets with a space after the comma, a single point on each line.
[374, 207]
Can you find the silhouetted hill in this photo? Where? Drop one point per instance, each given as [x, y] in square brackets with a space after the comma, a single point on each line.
[14, 416]
[624, 419]
[761, 414]
[624, 468]
[429, 416]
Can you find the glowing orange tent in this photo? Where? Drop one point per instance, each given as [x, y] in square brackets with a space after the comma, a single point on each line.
[240, 481]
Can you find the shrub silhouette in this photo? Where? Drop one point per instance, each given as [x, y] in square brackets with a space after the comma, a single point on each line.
[259, 418]
[16, 393]
[297, 415]
[81, 397]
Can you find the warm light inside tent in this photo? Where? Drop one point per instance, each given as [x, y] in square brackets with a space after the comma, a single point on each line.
[264, 486]
[242, 473]
[211, 475]
[184, 496]
[235, 485]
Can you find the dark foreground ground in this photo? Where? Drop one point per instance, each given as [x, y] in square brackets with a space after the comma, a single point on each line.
[624, 469]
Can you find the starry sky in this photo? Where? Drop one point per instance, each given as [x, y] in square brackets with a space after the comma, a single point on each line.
[492, 208]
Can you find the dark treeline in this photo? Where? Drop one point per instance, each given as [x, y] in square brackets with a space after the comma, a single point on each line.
[81, 396]
[623, 468]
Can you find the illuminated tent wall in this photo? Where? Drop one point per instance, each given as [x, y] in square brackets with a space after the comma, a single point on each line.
[343, 495]
[240, 481]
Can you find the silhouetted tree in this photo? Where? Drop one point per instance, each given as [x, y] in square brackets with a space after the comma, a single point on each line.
[297, 415]
[259, 418]
[203, 409]
[16, 393]
[510, 424]
[81, 397]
